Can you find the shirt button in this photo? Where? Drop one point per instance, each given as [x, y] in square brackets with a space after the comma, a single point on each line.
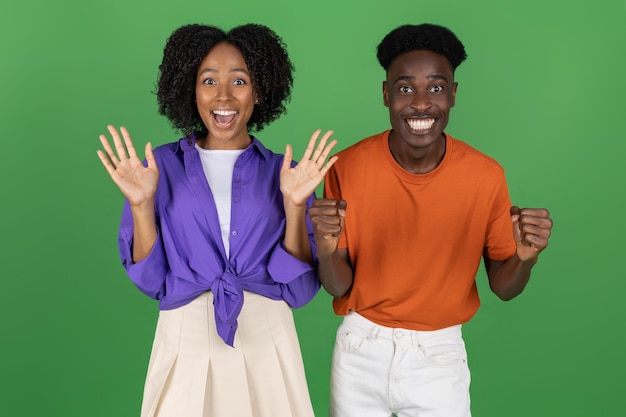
[236, 200]
[236, 179]
[234, 233]
[399, 335]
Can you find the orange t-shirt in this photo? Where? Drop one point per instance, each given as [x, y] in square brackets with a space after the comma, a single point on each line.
[416, 241]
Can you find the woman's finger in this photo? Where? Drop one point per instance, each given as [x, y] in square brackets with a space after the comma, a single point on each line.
[117, 142]
[309, 148]
[128, 142]
[106, 162]
[320, 148]
[107, 148]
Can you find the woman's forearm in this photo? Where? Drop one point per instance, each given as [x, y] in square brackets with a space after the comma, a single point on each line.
[297, 241]
[144, 230]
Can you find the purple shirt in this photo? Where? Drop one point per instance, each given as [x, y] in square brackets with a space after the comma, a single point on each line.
[188, 257]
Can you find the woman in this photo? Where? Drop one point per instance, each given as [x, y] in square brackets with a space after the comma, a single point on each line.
[214, 227]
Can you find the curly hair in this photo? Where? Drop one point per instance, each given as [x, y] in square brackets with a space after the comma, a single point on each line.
[426, 36]
[266, 57]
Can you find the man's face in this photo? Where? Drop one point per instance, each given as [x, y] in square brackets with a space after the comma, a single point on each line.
[419, 92]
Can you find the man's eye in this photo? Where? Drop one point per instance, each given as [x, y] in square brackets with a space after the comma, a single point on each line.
[405, 89]
[436, 89]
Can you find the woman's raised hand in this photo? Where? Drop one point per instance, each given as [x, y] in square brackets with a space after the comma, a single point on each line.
[137, 182]
[298, 183]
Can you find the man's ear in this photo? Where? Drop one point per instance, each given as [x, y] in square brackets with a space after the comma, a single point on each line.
[385, 94]
[454, 87]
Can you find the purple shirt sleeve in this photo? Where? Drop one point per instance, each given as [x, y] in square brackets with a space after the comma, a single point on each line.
[299, 280]
[148, 274]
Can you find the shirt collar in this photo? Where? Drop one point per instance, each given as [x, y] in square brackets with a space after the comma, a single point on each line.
[187, 143]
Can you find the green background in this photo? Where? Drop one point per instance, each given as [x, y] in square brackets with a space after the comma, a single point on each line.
[542, 91]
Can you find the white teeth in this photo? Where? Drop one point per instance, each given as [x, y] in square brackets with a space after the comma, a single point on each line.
[224, 112]
[420, 124]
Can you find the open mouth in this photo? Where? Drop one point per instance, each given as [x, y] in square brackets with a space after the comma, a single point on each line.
[420, 124]
[224, 118]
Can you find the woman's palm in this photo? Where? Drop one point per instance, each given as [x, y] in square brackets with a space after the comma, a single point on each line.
[137, 182]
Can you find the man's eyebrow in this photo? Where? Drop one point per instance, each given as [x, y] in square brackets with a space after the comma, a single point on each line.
[430, 77]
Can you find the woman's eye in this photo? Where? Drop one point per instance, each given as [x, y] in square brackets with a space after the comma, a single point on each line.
[239, 81]
[209, 81]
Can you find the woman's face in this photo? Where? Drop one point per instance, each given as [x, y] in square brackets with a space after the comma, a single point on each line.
[225, 98]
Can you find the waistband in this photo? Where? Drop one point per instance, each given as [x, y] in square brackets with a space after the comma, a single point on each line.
[369, 329]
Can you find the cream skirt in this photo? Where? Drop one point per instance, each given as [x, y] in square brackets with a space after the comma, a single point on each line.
[193, 373]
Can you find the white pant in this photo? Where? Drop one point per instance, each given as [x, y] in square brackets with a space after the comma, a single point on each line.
[380, 371]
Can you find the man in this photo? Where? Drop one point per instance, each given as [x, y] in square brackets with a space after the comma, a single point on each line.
[407, 216]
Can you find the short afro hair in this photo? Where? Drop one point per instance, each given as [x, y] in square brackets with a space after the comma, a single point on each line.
[426, 36]
[264, 52]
